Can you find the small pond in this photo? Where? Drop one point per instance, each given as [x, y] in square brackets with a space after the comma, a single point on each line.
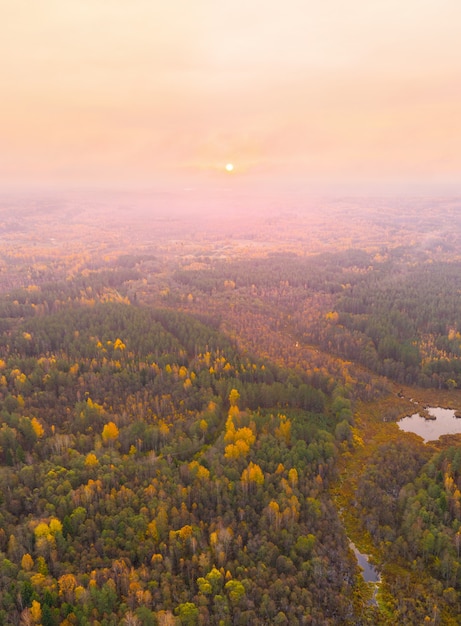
[443, 422]
[370, 573]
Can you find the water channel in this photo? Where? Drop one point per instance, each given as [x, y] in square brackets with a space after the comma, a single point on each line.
[369, 572]
[438, 421]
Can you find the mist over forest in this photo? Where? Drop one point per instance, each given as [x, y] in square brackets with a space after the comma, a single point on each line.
[230, 333]
[200, 398]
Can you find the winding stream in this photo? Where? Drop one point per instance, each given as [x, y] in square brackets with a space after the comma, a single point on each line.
[369, 572]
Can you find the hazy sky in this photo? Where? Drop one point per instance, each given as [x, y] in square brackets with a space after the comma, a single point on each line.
[138, 92]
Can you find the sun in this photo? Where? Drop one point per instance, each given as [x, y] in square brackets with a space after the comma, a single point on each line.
[229, 167]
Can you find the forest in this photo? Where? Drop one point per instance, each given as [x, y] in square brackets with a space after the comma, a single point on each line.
[146, 480]
[396, 318]
[194, 434]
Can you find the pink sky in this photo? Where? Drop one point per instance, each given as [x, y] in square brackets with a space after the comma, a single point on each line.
[151, 92]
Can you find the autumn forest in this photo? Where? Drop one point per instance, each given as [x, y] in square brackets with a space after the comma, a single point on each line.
[199, 411]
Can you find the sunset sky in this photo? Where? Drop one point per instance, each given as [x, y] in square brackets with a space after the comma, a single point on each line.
[362, 93]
